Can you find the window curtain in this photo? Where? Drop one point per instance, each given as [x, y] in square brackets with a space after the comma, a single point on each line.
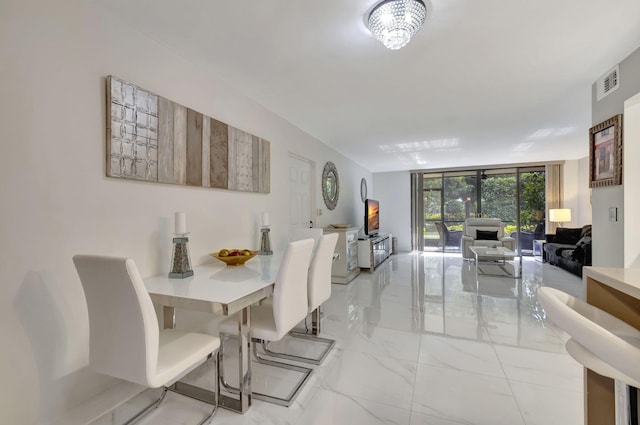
[553, 176]
[417, 212]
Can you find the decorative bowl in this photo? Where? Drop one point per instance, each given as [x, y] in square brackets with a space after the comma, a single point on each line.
[234, 260]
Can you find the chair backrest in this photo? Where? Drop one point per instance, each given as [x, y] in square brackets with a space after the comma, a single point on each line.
[289, 295]
[538, 232]
[123, 326]
[441, 232]
[471, 225]
[319, 281]
[306, 233]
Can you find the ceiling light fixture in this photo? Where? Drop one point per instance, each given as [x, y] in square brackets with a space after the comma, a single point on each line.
[394, 22]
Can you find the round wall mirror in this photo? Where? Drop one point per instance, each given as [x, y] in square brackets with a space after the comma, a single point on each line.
[330, 185]
[363, 189]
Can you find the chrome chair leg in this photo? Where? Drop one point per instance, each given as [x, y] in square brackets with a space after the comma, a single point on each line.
[201, 394]
[286, 401]
[309, 335]
[222, 381]
[144, 412]
[330, 343]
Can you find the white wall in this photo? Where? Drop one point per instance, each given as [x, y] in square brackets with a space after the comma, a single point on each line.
[584, 193]
[576, 193]
[609, 237]
[570, 192]
[393, 190]
[631, 177]
[56, 200]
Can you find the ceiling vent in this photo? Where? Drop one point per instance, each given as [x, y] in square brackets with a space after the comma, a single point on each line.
[608, 83]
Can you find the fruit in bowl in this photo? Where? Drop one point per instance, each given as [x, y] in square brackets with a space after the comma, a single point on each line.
[234, 257]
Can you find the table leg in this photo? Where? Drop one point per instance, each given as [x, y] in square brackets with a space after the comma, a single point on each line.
[169, 317]
[477, 265]
[243, 402]
[520, 270]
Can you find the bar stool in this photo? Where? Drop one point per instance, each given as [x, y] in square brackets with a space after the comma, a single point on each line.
[599, 341]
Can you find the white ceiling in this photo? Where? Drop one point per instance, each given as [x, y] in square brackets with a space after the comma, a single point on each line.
[484, 82]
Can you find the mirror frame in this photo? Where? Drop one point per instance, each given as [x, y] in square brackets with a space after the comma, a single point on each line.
[329, 168]
[363, 189]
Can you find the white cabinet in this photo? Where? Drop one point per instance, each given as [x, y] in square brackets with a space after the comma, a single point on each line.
[345, 269]
[374, 250]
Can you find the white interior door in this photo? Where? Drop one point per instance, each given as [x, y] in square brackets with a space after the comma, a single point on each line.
[301, 193]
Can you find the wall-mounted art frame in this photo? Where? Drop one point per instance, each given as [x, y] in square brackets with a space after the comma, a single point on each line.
[154, 139]
[605, 153]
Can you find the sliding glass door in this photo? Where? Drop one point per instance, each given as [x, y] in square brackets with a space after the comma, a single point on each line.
[514, 195]
[532, 208]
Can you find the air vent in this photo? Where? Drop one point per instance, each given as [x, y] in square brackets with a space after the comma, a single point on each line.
[608, 83]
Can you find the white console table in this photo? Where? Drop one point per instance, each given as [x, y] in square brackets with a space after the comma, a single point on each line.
[345, 269]
[372, 251]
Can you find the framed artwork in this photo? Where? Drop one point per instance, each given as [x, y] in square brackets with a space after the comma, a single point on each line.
[154, 139]
[605, 153]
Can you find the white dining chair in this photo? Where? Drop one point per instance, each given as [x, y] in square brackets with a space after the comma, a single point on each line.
[125, 340]
[318, 291]
[272, 321]
[599, 341]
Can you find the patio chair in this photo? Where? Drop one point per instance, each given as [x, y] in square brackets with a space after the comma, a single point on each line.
[448, 238]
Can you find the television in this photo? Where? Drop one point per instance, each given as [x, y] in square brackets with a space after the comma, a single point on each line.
[371, 217]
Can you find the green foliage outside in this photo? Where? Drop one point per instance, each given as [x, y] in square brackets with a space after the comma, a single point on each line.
[498, 199]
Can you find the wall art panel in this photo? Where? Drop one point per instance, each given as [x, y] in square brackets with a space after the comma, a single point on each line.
[153, 139]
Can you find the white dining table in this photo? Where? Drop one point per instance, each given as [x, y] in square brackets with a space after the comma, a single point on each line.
[220, 289]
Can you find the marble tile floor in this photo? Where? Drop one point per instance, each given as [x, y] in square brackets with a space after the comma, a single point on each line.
[420, 342]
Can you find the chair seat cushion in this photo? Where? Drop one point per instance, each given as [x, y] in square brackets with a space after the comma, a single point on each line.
[179, 353]
[590, 361]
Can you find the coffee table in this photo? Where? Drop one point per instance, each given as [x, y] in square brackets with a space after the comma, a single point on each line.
[499, 257]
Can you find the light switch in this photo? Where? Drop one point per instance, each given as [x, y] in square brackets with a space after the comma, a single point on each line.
[319, 212]
[613, 214]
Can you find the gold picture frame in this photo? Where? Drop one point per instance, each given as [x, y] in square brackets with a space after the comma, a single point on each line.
[605, 153]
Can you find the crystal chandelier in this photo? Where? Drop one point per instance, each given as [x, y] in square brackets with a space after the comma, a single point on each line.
[394, 22]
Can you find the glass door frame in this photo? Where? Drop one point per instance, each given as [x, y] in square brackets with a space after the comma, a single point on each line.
[418, 195]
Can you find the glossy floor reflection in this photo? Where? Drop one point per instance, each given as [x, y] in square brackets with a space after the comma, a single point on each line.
[420, 342]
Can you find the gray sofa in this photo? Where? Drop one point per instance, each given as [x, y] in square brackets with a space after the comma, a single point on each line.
[569, 248]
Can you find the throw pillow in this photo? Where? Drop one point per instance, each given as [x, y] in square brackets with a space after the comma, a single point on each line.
[584, 241]
[487, 235]
[567, 253]
[567, 236]
[586, 231]
[578, 254]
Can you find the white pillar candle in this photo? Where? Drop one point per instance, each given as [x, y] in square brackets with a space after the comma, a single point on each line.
[181, 223]
[265, 219]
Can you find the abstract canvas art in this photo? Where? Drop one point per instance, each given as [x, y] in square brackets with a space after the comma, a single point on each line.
[154, 139]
